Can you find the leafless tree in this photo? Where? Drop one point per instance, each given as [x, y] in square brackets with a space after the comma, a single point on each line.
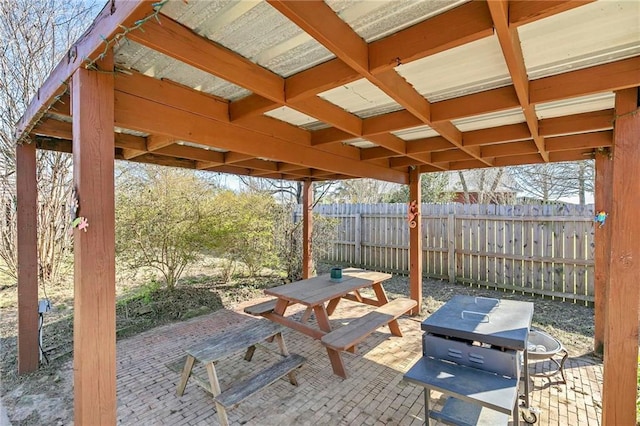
[553, 181]
[33, 38]
[367, 191]
[485, 186]
[287, 191]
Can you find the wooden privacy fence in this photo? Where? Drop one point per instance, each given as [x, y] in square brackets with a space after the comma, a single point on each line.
[537, 249]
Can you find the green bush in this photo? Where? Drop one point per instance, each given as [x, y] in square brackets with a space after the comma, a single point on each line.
[165, 219]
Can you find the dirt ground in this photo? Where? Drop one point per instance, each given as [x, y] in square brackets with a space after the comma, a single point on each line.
[31, 399]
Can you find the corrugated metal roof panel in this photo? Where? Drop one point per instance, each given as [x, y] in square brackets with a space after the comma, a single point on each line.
[360, 143]
[197, 145]
[254, 30]
[130, 132]
[373, 20]
[291, 116]
[416, 133]
[467, 69]
[593, 34]
[597, 102]
[485, 121]
[362, 98]
[154, 64]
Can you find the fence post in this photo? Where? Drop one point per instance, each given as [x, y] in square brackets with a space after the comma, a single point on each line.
[358, 239]
[451, 243]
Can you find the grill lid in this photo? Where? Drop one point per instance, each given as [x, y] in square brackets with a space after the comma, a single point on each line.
[497, 322]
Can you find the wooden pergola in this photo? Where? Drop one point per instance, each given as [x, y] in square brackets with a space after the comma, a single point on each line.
[315, 90]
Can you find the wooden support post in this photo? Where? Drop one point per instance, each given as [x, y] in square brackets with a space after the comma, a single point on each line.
[27, 193]
[94, 337]
[415, 242]
[604, 176]
[619, 388]
[307, 228]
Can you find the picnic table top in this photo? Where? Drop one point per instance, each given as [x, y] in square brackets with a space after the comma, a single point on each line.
[317, 290]
[230, 341]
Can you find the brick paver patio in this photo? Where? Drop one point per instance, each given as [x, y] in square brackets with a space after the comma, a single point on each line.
[374, 393]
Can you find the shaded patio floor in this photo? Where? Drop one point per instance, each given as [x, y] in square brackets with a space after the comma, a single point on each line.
[373, 394]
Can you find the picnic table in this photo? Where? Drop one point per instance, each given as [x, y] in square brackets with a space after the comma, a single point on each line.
[227, 343]
[321, 295]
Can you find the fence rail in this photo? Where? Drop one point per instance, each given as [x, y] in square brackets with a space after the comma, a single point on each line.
[536, 249]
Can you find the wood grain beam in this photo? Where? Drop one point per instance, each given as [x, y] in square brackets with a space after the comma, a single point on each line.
[468, 165]
[139, 114]
[575, 155]
[250, 106]
[390, 122]
[582, 141]
[450, 155]
[191, 153]
[105, 25]
[601, 78]
[151, 158]
[334, 33]
[436, 143]
[494, 100]
[63, 130]
[323, 24]
[50, 144]
[329, 135]
[201, 104]
[464, 24]
[376, 153]
[322, 77]
[512, 52]
[508, 133]
[577, 123]
[53, 128]
[177, 95]
[514, 160]
[257, 164]
[179, 42]
[510, 148]
[524, 12]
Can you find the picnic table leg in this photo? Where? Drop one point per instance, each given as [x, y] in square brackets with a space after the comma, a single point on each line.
[334, 356]
[395, 328]
[250, 351]
[215, 389]
[332, 305]
[381, 295]
[322, 317]
[337, 363]
[306, 315]
[283, 350]
[186, 373]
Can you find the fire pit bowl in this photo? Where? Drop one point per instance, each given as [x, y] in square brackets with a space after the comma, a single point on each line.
[541, 345]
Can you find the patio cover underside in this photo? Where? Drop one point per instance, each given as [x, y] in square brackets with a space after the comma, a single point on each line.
[315, 90]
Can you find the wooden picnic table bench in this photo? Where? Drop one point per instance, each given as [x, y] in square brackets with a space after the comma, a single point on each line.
[228, 343]
[346, 337]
